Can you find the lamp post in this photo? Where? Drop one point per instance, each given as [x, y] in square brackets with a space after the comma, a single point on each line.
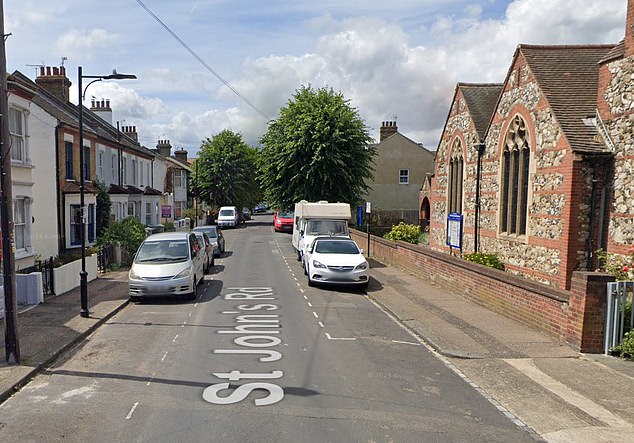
[83, 275]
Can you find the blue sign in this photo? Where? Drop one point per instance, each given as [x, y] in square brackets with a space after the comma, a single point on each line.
[454, 230]
[359, 215]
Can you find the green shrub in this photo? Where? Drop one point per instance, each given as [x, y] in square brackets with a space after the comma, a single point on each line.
[626, 348]
[490, 260]
[129, 233]
[404, 232]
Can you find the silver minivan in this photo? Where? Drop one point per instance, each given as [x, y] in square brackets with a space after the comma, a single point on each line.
[167, 264]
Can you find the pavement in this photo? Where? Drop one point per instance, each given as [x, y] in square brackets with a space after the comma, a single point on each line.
[539, 382]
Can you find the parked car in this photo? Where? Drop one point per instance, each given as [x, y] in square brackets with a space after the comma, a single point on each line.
[216, 237]
[167, 264]
[228, 216]
[336, 260]
[283, 221]
[246, 213]
[208, 249]
[261, 208]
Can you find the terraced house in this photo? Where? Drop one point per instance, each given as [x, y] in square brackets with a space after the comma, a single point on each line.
[540, 166]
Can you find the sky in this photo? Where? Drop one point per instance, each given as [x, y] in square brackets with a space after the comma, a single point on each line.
[204, 66]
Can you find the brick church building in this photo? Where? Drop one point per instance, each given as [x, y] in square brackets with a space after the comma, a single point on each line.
[541, 166]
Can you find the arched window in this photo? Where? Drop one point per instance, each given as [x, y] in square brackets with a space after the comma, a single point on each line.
[456, 164]
[515, 170]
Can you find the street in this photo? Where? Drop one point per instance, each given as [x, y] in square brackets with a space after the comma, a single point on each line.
[258, 357]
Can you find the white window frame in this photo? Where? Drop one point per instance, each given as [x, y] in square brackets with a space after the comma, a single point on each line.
[403, 174]
[21, 223]
[18, 137]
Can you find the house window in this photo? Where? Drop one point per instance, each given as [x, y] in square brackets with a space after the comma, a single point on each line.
[20, 212]
[69, 160]
[113, 165]
[456, 166]
[148, 213]
[134, 182]
[124, 172]
[178, 210]
[91, 223]
[131, 209]
[17, 133]
[75, 225]
[86, 163]
[178, 178]
[515, 177]
[100, 162]
[403, 176]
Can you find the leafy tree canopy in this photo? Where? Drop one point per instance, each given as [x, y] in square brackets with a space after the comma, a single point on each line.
[318, 149]
[225, 170]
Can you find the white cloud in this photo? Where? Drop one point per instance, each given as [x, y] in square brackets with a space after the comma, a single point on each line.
[83, 44]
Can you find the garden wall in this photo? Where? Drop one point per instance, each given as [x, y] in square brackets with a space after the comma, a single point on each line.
[576, 316]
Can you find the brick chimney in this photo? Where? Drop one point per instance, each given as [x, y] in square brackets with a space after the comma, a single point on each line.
[387, 129]
[629, 29]
[130, 131]
[54, 81]
[102, 109]
[164, 148]
[181, 156]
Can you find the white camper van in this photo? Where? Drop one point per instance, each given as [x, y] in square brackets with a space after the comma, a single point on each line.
[228, 217]
[320, 218]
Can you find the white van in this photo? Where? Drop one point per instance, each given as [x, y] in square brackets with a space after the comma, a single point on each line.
[228, 217]
[320, 218]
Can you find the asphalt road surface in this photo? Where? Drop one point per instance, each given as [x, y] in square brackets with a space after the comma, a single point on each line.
[258, 357]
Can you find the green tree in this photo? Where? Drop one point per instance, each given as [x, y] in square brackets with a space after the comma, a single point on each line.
[129, 233]
[103, 208]
[318, 149]
[225, 171]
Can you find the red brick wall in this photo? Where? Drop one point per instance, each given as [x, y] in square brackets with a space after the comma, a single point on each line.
[576, 317]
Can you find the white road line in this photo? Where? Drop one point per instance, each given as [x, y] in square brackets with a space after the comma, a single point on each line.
[315, 314]
[301, 290]
[406, 342]
[129, 416]
[340, 338]
[174, 341]
[306, 298]
[321, 324]
[527, 367]
[310, 304]
[164, 356]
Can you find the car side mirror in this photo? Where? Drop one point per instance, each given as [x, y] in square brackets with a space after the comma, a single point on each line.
[361, 250]
[301, 232]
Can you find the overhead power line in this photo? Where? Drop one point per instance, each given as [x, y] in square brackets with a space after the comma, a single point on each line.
[202, 62]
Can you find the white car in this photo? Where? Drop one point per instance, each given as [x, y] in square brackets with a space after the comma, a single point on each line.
[167, 264]
[336, 260]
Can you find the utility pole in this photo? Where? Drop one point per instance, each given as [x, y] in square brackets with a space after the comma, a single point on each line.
[11, 345]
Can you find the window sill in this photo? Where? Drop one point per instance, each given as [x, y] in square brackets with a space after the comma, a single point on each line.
[513, 237]
[21, 164]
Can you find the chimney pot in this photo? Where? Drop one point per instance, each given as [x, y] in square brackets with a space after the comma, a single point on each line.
[48, 70]
[41, 70]
[62, 70]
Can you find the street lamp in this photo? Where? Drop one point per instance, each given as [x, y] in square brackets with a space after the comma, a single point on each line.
[83, 275]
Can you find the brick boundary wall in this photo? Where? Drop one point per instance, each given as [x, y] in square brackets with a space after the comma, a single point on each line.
[576, 316]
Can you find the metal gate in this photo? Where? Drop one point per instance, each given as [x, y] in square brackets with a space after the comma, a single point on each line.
[619, 313]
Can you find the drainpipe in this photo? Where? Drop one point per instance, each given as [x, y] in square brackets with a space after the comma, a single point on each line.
[481, 147]
[119, 153]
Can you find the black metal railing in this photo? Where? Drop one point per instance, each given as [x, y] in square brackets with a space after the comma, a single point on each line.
[105, 257]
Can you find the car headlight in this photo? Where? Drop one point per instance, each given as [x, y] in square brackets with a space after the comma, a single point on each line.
[184, 273]
[363, 265]
[133, 275]
[318, 264]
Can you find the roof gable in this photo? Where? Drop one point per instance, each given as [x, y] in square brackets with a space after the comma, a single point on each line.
[481, 100]
[568, 76]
